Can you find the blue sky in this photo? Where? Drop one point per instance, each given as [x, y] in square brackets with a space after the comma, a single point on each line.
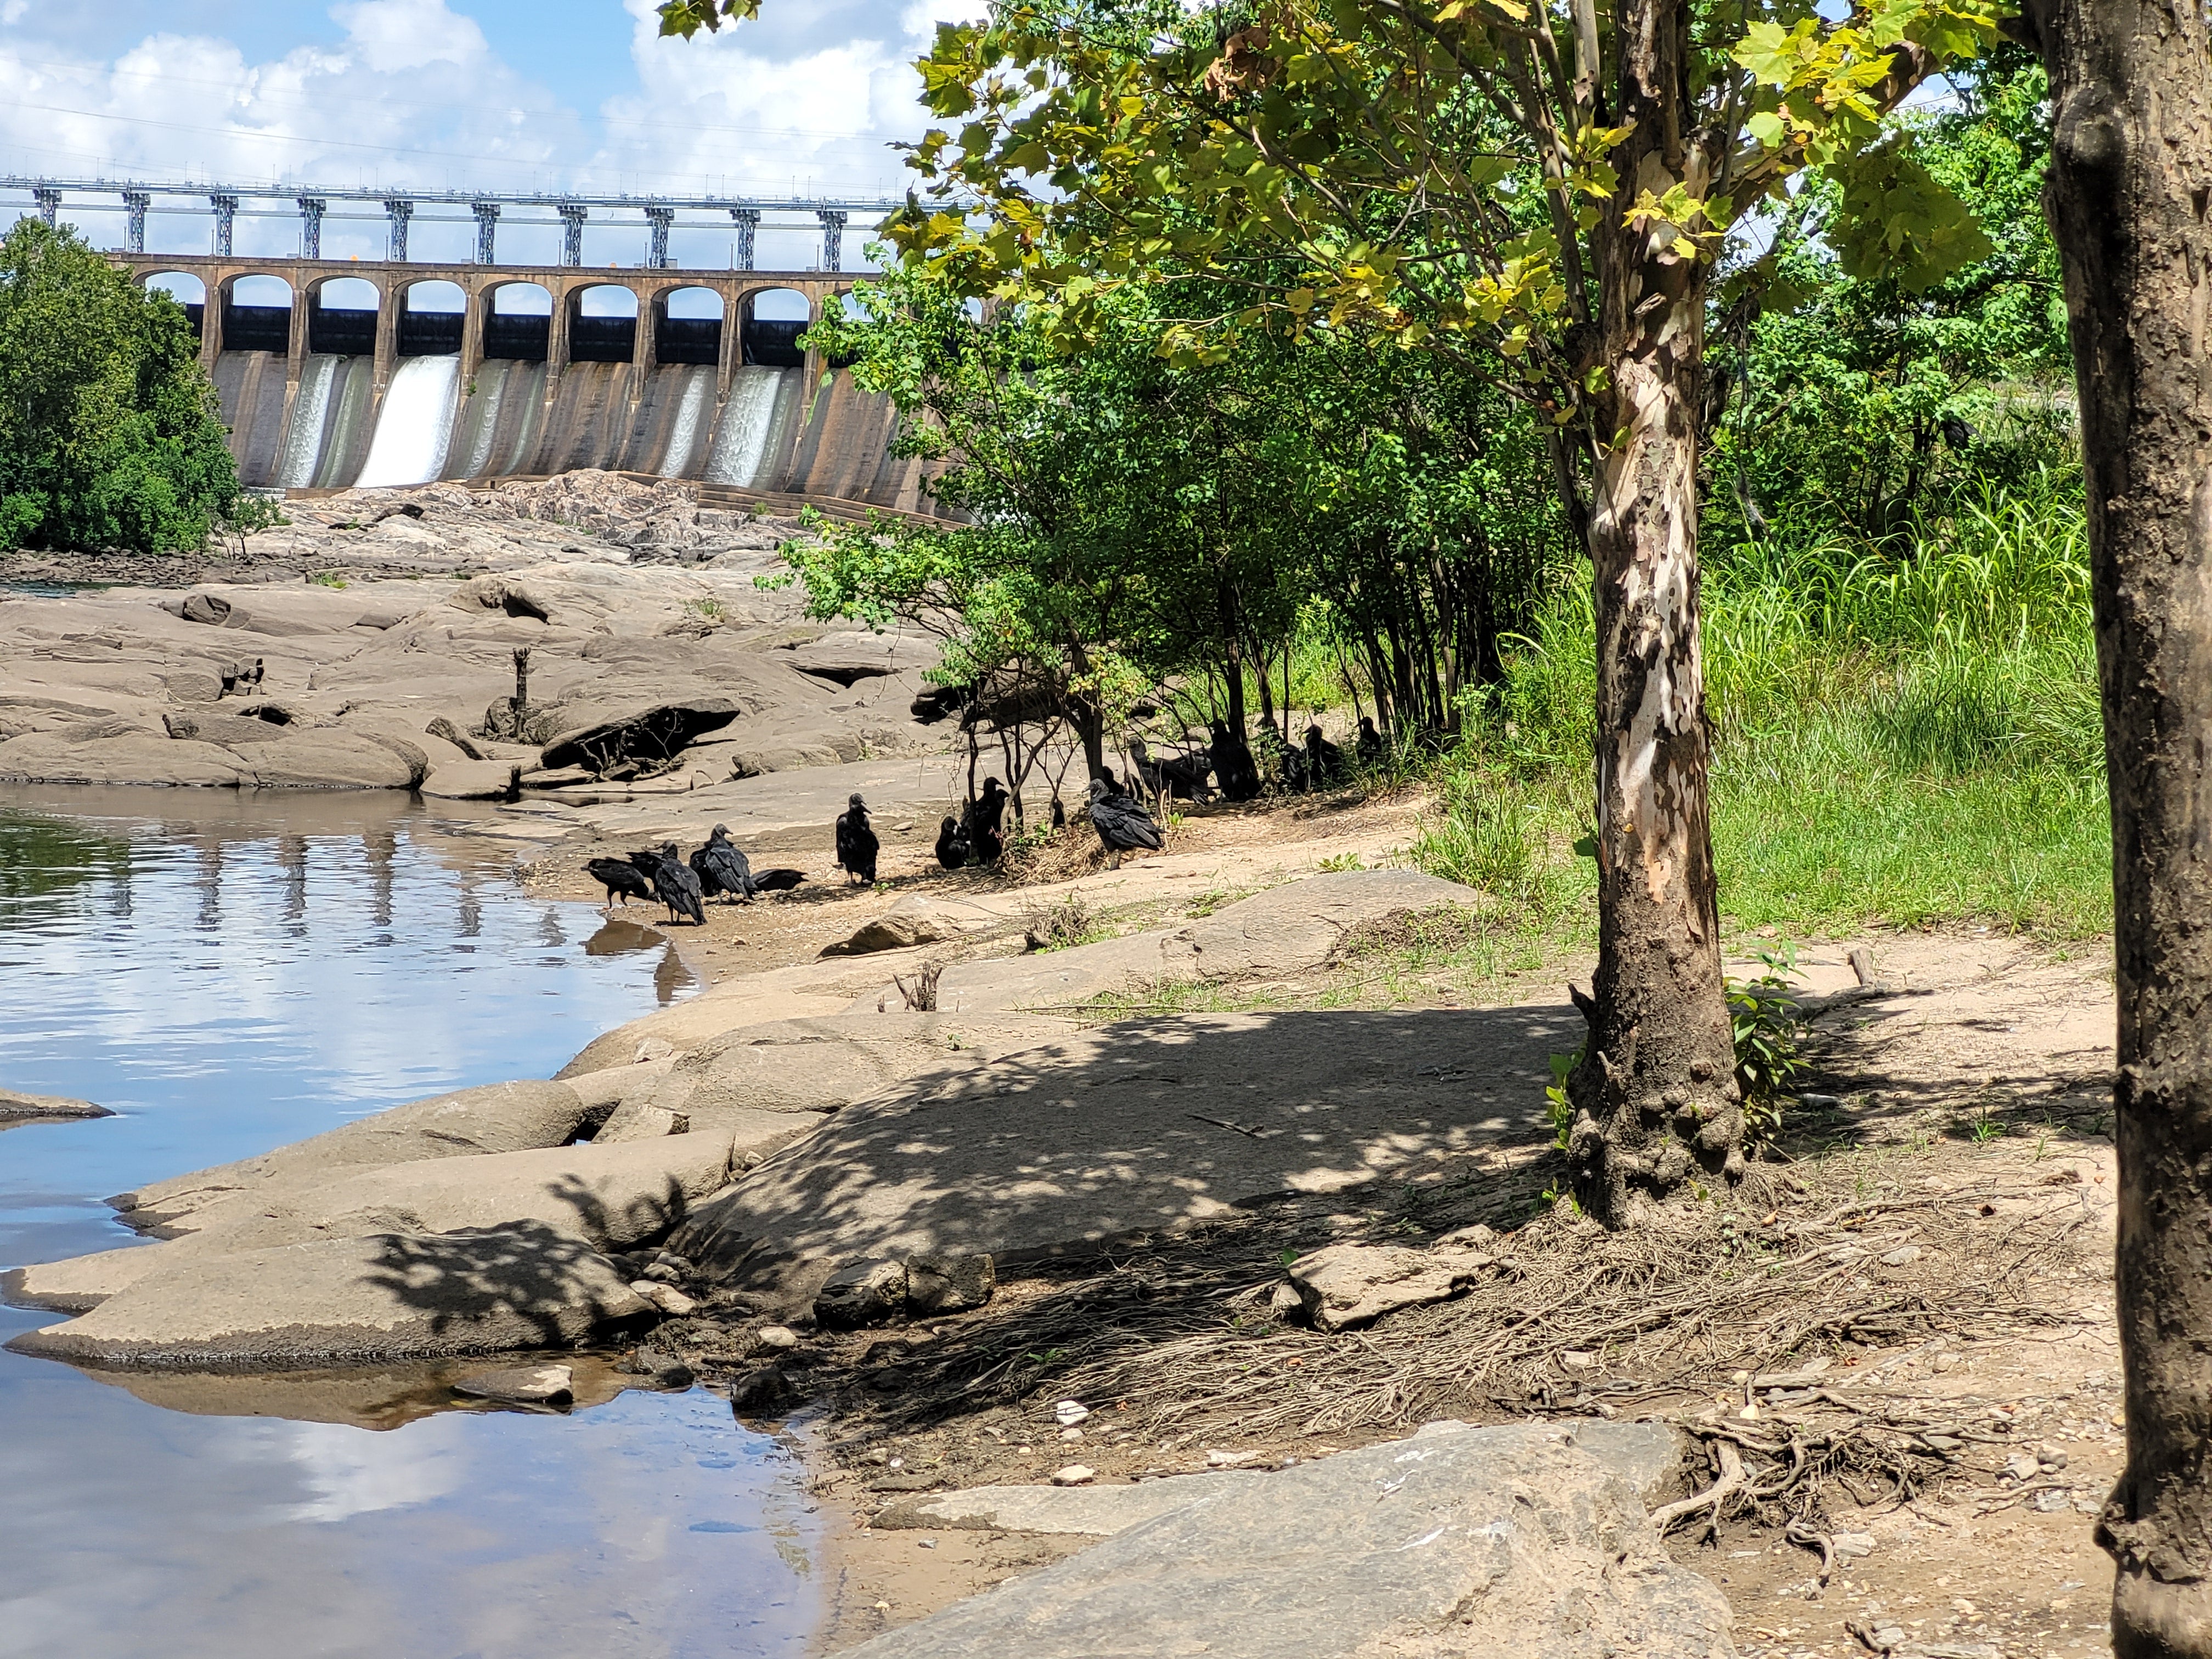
[545, 95]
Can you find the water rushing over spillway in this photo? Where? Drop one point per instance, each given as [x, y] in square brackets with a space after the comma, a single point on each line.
[770, 430]
[416, 426]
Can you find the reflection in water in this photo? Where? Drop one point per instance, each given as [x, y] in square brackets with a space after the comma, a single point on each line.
[671, 978]
[329, 1513]
[618, 938]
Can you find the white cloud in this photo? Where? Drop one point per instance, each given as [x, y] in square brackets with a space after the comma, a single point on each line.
[414, 95]
[403, 35]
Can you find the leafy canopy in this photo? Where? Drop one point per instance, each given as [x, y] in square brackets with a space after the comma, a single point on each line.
[1441, 171]
[111, 435]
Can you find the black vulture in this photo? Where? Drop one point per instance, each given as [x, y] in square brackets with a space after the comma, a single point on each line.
[981, 823]
[1370, 746]
[1122, 824]
[857, 845]
[1059, 813]
[721, 867]
[620, 879]
[673, 882]
[1177, 777]
[1234, 767]
[252, 677]
[1324, 761]
[952, 845]
[775, 881]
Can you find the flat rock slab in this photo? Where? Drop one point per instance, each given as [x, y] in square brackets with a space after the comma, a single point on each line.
[1513, 1540]
[501, 1117]
[607, 1197]
[1126, 1128]
[1288, 929]
[16, 1108]
[353, 1300]
[1093, 1511]
[521, 1385]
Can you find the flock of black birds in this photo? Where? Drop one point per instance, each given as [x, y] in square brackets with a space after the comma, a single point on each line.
[718, 869]
[238, 679]
[978, 835]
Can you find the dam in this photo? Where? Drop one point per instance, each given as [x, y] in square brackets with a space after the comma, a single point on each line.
[400, 372]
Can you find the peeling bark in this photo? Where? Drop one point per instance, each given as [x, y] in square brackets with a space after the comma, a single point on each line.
[2128, 191]
[1655, 1097]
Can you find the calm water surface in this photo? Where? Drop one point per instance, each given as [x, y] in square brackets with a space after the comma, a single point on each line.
[229, 973]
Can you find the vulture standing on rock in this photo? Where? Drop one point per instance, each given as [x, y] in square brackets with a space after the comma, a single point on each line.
[673, 882]
[619, 879]
[951, 845]
[1122, 824]
[857, 845]
[721, 868]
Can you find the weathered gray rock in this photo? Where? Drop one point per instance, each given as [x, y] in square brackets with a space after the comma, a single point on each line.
[1094, 1511]
[520, 1385]
[636, 1120]
[1341, 1285]
[16, 1107]
[911, 921]
[130, 757]
[1478, 1541]
[330, 758]
[499, 1117]
[470, 780]
[861, 1294]
[847, 658]
[353, 1300]
[949, 1284]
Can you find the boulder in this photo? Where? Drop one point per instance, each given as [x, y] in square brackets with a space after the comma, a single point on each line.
[264, 608]
[520, 1385]
[849, 657]
[1529, 1539]
[911, 921]
[636, 1120]
[472, 780]
[861, 1294]
[941, 1283]
[330, 757]
[353, 1300]
[639, 731]
[124, 756]
[1341, 1285]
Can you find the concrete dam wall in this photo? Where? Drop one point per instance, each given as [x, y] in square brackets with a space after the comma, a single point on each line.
[329, 397]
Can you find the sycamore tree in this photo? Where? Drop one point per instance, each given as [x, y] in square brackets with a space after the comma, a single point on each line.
[1541, 186]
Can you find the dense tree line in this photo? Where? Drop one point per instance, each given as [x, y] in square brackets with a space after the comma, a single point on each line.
[111, 436]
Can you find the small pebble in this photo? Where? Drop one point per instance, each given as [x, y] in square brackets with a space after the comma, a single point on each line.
[1075, 1474]
[1070, 1413]
[776, 1336]
[1071, 1434]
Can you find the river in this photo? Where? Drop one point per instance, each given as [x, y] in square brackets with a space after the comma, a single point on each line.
[231, 972]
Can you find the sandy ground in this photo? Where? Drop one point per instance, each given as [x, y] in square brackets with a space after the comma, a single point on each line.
[1976, 1054]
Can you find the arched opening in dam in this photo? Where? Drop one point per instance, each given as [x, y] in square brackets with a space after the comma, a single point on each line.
[432, 316]
[186, 290]
[602, 323]
[770, 321]
[518, 320]
[257, 314]
[687, 326]
[342, 315]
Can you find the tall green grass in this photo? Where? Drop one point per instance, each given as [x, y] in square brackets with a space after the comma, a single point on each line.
[1907, 739]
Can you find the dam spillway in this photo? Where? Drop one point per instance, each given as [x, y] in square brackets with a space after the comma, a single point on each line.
[333, 397]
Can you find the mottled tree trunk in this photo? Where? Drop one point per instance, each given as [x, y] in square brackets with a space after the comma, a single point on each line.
[2129, 185]
[1655, 1098]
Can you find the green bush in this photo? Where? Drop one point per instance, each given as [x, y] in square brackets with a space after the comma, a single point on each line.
[111, 435]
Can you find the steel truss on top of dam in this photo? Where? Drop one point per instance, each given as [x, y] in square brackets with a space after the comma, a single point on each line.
[227, 203]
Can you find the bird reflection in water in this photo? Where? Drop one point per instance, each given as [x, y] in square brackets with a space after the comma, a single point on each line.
[383, 848]
[292, 856]
[617, 938]
[550, 932]
[471, 916]
[209, 881]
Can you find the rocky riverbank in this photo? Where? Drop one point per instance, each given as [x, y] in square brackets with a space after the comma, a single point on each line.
[373, 643]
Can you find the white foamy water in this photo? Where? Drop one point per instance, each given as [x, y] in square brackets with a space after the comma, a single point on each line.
[689, 422]
[748, 417]
[416, 426]
[303, 438]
